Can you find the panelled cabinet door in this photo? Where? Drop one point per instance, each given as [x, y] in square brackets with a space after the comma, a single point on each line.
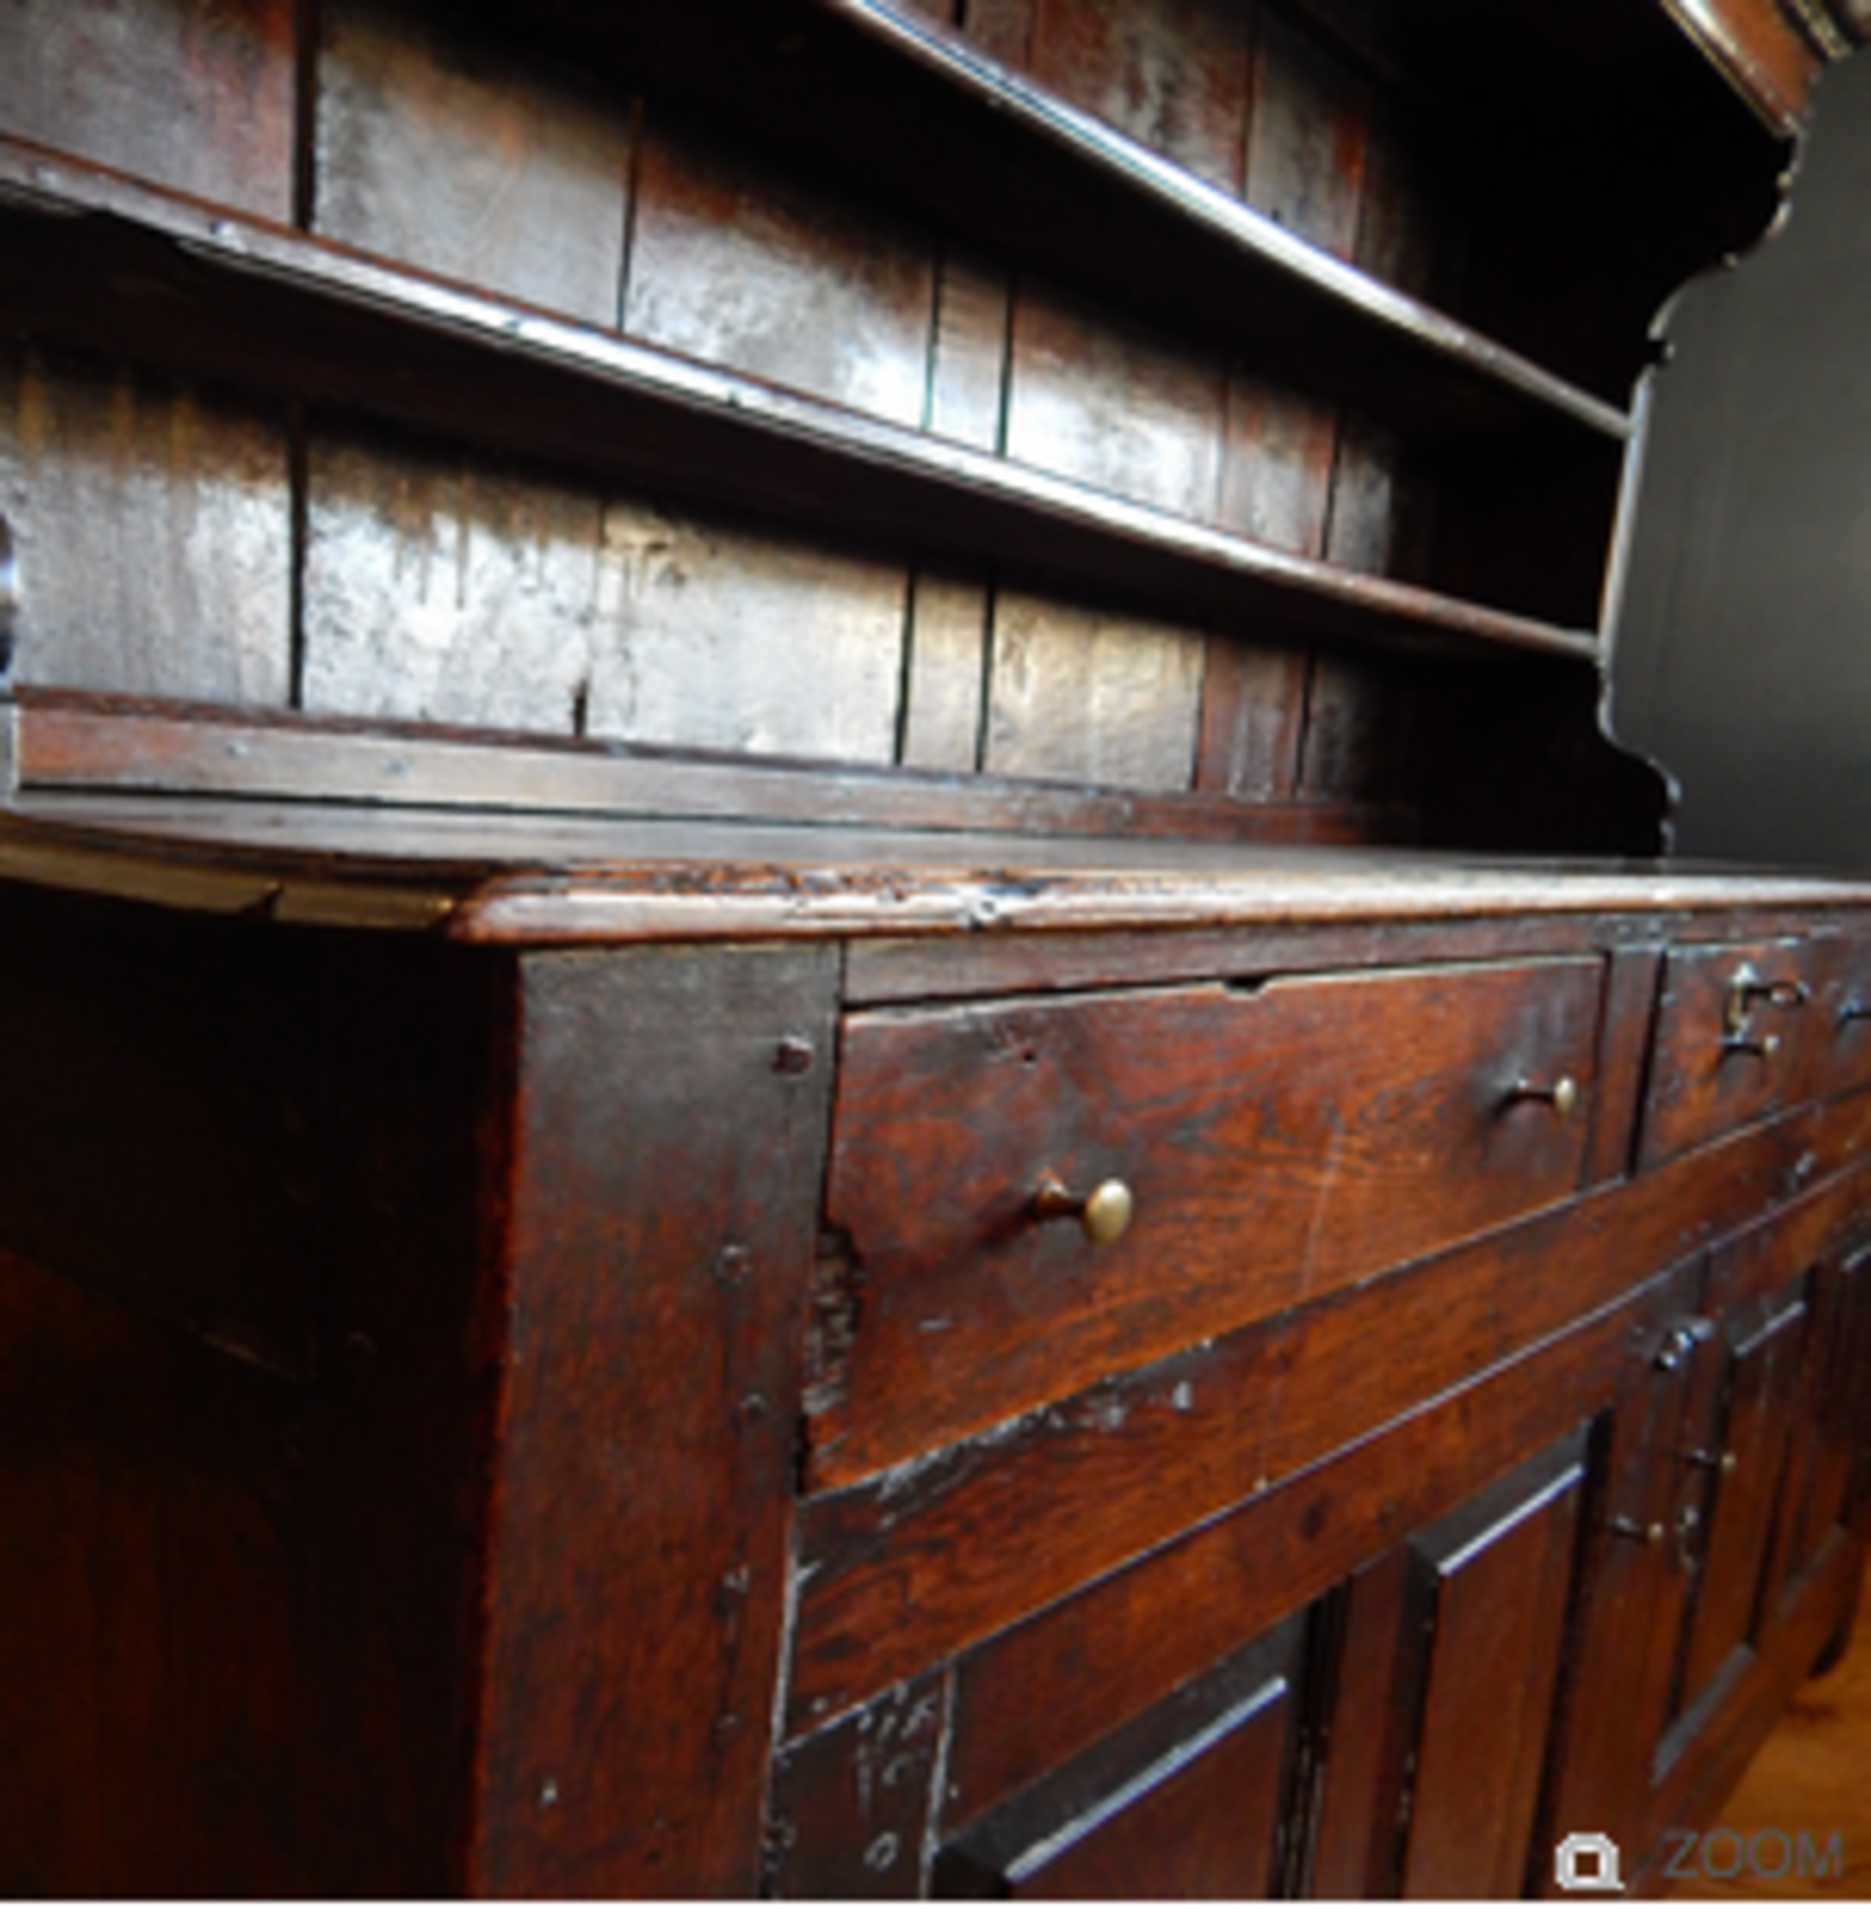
[1622, 1660]
[1732, 1479]
[1447, 1669]
[1826, 1450]
[1187, 1801]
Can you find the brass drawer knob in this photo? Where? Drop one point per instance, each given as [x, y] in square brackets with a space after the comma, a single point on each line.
[1104, 1213]
[1562, 1096]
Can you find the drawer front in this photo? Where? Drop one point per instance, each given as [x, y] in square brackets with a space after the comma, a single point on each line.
[1734, 1028]
[1841, 1037]
[1277, 1143]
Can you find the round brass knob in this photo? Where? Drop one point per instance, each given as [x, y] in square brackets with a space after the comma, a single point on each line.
[1104, 1213]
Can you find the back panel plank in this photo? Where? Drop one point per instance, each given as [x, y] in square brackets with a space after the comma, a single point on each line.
[1172, 74]
[440, 590]
[1079, 694]
[152, 531]
[454, 149]
[196, 94]
[740, 262]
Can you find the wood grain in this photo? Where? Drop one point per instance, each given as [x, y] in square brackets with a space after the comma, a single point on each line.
[1760, 50]
[1706, 1772]
[1829, 1453]
[852, 1807]
[110, 743]
[1736, 1511]
[1276, 479]
[462, 153]
[1307, 138]
[1498, 1578]
[1122, 1467]
[1842, 1015]
[1365, 727]
[151, 527]
[667, 1149]
[1170, 73]
[1039, 1692]
[243, 1383]
[1699, 1085]
[157, 1660]
[1631, 1592]
[1253, 718]
[439, 590]
[753, 267]
[945, 694]
[1105, 401]
[1361, 530]
[315, 320]
[1003, 29]
[1807, 1777]
[968, 365]
[732, 637]
[1280, 1143]
[1369, 1733]
[1189, 1800]
[196, 94]
[1076, 693]
[1623, 1055]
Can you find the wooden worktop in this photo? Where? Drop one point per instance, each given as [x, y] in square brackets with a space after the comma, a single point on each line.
[494, 876]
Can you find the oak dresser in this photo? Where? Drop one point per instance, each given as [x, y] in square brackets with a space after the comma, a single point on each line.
[839, 1060]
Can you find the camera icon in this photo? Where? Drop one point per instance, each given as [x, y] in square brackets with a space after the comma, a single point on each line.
[1587, 1863]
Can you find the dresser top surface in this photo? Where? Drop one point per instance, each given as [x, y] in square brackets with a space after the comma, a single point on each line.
[530, 878]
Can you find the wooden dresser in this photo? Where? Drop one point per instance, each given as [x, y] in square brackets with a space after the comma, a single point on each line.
[838, 1061]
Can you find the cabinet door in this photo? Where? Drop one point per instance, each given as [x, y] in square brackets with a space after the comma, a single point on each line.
[1826, 1449]
[1187, 1801]
[1623, 1655]
[1727, 1493]
[1448, 1660]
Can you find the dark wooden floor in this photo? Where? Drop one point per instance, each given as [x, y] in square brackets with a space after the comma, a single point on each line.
[1812, 1778]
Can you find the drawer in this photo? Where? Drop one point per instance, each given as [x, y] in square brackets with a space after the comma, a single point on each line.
[1734, 1028]
[1841, 1036]
[1277, 1142]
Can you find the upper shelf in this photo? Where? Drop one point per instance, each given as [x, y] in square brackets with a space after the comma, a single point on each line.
[93, 259]
[932, 121]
